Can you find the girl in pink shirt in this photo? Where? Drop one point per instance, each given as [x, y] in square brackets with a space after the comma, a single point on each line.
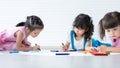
[16, 38]
[110, 24]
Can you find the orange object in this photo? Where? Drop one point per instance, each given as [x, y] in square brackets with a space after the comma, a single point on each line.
[99, 53]
[85, 52]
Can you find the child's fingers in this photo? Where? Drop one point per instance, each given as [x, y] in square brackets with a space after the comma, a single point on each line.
[63, 47]
[102, 48]
[36, 48]
[94, 49]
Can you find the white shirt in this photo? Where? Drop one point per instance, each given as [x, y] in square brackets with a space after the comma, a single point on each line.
[78, 44]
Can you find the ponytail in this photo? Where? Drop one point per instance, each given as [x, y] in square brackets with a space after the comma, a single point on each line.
[101, 30]
[20, 24]
[32, 22]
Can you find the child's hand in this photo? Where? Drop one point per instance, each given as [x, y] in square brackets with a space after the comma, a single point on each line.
[94, 49]
[36, 47]
[63, 47]
[102, 48]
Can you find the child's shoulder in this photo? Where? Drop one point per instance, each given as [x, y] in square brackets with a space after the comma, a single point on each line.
[22, 29]
[14, 29]
[19, 28]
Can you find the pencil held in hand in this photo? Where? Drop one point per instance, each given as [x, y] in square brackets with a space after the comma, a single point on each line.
[38, 47]
[64, 47]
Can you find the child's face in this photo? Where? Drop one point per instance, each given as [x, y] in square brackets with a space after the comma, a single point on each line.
[114, 32]
[35, 32]
[79, 32]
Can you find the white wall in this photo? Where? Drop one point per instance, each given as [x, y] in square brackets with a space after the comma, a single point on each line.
[57, 15]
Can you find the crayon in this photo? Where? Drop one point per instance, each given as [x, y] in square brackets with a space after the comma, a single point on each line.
[14, 52]
[62, 54]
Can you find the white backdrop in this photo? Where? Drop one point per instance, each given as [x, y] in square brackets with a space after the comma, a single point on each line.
[57, 16]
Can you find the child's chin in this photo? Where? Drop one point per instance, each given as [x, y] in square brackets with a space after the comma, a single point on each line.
[33, 36]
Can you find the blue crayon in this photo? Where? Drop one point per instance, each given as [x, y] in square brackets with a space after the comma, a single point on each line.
[72, 50]
[62, 54]
[14, 52]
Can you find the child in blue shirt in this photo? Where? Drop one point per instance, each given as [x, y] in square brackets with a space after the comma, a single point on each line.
[82, 31]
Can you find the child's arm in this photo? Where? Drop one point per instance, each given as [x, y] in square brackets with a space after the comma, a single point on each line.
[25, 42]
[113, 49]
[104, 48]
[19, 36]
[88, 45]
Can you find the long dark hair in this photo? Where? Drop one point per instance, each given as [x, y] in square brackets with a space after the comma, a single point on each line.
[84, 21]
[110, 20]
[32, 23]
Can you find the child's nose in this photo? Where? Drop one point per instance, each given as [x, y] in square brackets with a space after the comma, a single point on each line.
[112, 33]
[77, 30]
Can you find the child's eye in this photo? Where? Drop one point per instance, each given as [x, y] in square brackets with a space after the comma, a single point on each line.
[114, 29]
[108, 30]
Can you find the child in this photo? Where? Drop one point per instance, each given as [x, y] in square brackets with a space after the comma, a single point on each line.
[110, 24]
[16, 39]
[83, 30]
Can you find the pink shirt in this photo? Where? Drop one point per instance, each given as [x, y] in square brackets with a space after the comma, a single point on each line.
[115, 42]
[8, 40]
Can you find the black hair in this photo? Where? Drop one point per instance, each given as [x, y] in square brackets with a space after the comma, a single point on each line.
[32, 23]
[20, 24]
[84, 21]
[110, 20]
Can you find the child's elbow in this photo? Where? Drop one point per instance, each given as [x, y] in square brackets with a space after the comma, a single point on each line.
[18, 48]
